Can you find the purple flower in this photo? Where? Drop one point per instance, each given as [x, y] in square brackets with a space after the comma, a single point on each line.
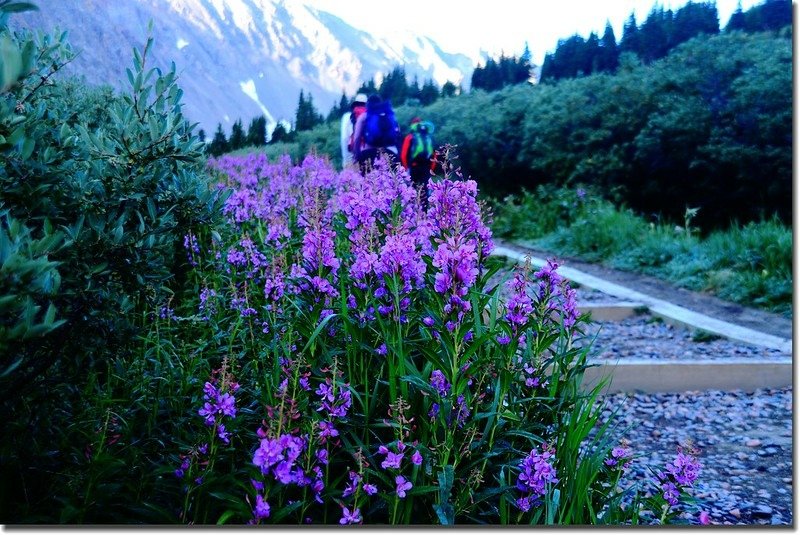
[670, 493]
[261, 510]
[503, 339]
[684, 469]
[351, 487]
[392, 460]
[439, 382]
[524, 504]
[381, 350]
[536, 472]
[704, 518]
[370, 489]
[416, 458]
[620, 456]
[350, 518]
[402, 486]
[428, 321]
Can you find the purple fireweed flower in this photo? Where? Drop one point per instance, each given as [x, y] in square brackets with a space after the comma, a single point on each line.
[620, 457]
[261, 510]
[351, 487]
[434, 412]
[217, 405]
[525, 503]
[326, 430]
[223, 435]
[322, 456]
[428, 321]
[536, 472]
[402, 486]
[704, 518]
[392, 460]
[670, 493]
[206, 307]
[350, 518]
[684, 469]
[416, 458]
[519, 305]
[503, 339]
[370, 489]
[462, 411]
[439, 382]
[381, 350]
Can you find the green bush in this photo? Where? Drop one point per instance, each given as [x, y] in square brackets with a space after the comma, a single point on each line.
[121, 178]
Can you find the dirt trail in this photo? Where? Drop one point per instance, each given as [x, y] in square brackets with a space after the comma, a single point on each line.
[704, 303]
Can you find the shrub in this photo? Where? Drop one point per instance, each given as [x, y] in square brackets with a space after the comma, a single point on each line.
[122, 183]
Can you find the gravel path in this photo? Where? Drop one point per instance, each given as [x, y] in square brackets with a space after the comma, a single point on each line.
[744, 439]
[648, 337]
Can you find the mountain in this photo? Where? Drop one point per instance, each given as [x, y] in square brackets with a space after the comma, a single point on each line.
[240, 58]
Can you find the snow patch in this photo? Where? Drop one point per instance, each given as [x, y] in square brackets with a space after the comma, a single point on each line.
[181, 43]
[249, 89]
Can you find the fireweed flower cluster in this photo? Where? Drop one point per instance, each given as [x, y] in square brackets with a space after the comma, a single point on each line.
[620, 458]
[461, 242]
[218, 404]
[556, 292]
[536, 473]
[678, 475]
[303, 243]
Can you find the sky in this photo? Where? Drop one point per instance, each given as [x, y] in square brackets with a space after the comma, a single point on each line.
[502, 25]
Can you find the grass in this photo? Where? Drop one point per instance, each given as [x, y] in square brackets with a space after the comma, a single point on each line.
[748, 264]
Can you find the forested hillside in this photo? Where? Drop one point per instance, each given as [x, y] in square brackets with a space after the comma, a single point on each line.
[708, 126]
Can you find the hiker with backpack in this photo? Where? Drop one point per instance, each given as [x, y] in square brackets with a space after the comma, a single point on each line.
[376, 131]
[417, 154]
[357, 108]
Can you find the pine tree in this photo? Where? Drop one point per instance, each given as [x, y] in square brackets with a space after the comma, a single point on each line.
[279, 134]
[737, 20]
[449, 89]
[257, 132]
[219, 144]
[237, 140]
[608, 56]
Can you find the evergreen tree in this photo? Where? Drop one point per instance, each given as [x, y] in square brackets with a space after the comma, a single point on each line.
[279, 134]
[201, 134]
[630, 36]
[219, 144]
[608, 55]
[694, 19]
[338, 109]
[368, 88]
[449, 89]
[306, 117]
[737, 20]
[237, 140]
[257, 132]
[394, 86]
[429, 93]
[654, 35]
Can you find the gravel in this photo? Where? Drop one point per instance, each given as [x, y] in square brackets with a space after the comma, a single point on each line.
[648, 337]
[743, 439]
[744, 443]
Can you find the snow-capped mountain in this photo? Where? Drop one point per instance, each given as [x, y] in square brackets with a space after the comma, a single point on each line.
[240, 58]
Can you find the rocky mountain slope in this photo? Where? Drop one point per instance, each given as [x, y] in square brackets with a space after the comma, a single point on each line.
[239, 58]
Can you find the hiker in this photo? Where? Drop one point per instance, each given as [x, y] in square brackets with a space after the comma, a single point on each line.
[358, 107]
[417, 154]
[375, 131]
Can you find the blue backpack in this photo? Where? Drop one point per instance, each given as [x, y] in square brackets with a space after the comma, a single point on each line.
[380, 126]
